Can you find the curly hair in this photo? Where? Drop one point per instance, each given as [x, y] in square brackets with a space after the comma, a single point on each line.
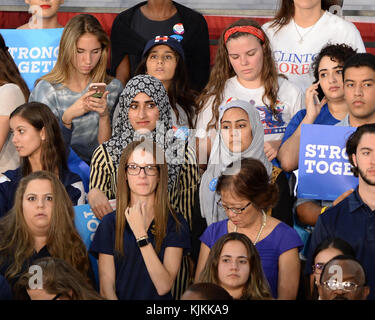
[337, 52]
[223, 70]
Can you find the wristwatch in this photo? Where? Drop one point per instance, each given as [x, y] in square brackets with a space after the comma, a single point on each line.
[142, 242]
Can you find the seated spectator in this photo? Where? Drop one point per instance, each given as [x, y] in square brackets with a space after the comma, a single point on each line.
[40, 224]
[145, 111]
[133, 27]
[246, 194]
[347, 284]
[140, 248]
[206, 291]
[82, 60]
[165, 60]
[359, 77]
[240, 135]
[245, 69]
[13, 92]
[325, 101]
[352, 218]
[60, 281]
[324, 252]
[5, 291]
[300, 30]
[234, 264]
[40, 145]
[44, 14]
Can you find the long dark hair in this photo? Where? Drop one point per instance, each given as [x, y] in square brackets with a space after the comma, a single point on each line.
[256, 287]
[54, 154]
[9, 72]
[179, 91]
[286, 12]
[59, 278]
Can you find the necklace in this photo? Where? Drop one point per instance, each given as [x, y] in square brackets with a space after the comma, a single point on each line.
[261, 227]
[302, 36]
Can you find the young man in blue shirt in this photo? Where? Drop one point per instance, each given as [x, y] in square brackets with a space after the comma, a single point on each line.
[353, 219]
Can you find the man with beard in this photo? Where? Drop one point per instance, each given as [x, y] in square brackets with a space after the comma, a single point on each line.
[353, 219]
[343, 278]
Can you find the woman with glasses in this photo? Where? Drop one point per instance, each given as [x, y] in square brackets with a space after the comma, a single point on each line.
[324, 252]
[145, 111]
[246, 194]
[140, 246]
[240, 135]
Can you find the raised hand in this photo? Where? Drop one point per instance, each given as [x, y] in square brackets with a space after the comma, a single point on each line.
[136, 218]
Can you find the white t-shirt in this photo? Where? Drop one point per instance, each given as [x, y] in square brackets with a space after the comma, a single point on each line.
[294, 58]
[11, 97]
[289, 103]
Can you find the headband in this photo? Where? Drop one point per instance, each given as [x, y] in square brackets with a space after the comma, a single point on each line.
[246, 29]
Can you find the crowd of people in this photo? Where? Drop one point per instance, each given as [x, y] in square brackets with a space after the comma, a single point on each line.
[200, 161]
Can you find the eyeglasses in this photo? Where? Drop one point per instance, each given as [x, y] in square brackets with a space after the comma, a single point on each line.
[57, 296]
[337, 285]
[150, 170]
[234, 210]
[318, 267]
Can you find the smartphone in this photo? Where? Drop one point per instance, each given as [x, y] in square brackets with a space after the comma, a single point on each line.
[99, 89]
[316, 99]
[320, 93]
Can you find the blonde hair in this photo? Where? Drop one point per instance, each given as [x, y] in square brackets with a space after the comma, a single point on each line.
[162, 205]
[223, 70]
[74, 29]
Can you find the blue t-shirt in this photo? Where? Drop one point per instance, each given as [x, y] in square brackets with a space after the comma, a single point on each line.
[281, 239]
[10, 180]
[5, 292]
[324, 117]
[133, 281]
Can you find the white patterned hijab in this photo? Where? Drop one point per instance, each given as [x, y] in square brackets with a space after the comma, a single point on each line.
[163, 134]
[221, 157]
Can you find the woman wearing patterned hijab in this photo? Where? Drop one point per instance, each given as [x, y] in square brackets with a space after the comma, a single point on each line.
[145, 111]
[240, 135]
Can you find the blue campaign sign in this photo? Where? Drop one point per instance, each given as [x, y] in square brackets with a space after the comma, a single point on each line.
[86, 224]
[324, 169]
[34, 51]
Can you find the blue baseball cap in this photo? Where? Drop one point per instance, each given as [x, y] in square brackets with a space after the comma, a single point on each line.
[165, 40]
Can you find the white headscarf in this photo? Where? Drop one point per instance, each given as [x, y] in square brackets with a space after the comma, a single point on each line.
[221, 157]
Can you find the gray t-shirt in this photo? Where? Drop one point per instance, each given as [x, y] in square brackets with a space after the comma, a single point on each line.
[149, 29]
[85, 128]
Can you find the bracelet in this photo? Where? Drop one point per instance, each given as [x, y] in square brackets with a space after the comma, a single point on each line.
[141, 238]
[68, 124]
[323, 209]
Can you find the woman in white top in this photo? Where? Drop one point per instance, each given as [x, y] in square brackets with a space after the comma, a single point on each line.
[300, 29]
[13, 92]
[244, 69]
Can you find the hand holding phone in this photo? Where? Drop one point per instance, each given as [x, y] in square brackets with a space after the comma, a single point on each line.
[99, 89]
